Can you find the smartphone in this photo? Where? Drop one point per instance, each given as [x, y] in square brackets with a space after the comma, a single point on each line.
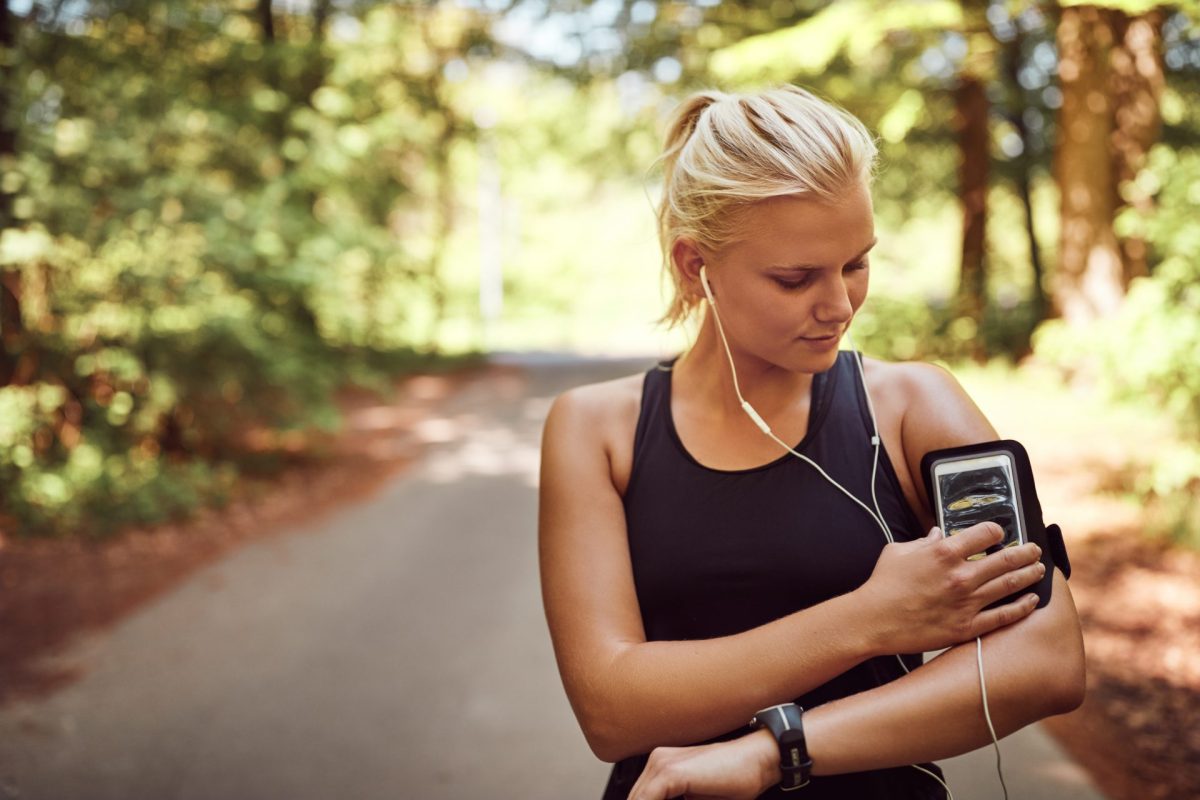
[979, 488]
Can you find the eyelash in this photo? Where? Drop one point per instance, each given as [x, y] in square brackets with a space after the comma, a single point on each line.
[793, 285]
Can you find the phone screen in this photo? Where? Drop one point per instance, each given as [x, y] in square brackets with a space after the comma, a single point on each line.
[979, 490]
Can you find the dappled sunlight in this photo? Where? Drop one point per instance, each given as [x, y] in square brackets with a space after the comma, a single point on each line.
[377, 418]
[440, 429]
[476, 449]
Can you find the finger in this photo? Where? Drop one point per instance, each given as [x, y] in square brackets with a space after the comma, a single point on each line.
[975, 539]
[1010, 582]
[1009, 559]
[934, 534]
[648, 789]
[1000, 616]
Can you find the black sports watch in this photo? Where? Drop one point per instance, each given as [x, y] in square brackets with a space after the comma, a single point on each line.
[784, 721]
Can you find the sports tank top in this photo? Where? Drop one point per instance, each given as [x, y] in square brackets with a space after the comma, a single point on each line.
[716, 552]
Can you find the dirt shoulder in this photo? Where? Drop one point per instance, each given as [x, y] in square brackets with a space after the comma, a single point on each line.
[1138, 731]
[52, 590]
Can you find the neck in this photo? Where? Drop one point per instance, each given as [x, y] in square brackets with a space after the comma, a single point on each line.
[769, 388]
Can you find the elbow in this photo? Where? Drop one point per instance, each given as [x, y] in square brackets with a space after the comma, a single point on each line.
[1071, 686]
[603, 748]
[1063, 659]
[605, 717]
[604, 738]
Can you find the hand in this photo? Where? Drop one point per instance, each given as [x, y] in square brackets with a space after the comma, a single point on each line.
[740, 769]
[925, 595]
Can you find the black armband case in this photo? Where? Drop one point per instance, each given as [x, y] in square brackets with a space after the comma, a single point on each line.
[1048, 537]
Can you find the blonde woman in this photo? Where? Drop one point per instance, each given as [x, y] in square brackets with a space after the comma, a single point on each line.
[695, 573]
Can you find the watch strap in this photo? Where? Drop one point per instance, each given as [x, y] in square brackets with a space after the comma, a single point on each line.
[785, 721]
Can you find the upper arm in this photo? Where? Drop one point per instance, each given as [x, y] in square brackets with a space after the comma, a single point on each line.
[587, 577]
[938, 413]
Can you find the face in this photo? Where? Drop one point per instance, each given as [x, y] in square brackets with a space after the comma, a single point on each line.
[790, 284]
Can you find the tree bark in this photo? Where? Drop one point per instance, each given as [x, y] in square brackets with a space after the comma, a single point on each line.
[971, 109]
[1137, 84]
[971, 127]
[12, 331]
[267, 20]
[1023, 179]
[1088, 283]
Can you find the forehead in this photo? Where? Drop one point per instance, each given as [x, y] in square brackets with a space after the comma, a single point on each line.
[800, 230]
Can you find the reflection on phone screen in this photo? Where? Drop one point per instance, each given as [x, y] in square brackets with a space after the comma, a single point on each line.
[979, 495]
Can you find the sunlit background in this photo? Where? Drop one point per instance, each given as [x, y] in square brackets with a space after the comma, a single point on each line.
[218, 215]
[214, 213]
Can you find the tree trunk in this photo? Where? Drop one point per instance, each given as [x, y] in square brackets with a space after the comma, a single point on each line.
[1137, 84]
[971, 110]
[1088, 283]
[267, 20]
[971, 127]
[12, 332]
[1038, 301]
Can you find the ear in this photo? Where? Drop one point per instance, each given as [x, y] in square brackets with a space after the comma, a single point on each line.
[688, 259]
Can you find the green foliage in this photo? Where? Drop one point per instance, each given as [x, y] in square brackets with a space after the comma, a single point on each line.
[213, 233]
[859, 27]
[915, 329]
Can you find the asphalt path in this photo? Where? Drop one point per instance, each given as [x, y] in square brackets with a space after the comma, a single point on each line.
[395, 649]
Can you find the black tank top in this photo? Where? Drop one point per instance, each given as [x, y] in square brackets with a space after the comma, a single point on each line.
[717, 552]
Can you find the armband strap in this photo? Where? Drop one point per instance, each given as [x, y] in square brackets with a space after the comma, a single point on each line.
[1058, 549]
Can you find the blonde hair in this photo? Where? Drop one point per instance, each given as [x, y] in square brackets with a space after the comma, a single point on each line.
[724, 152]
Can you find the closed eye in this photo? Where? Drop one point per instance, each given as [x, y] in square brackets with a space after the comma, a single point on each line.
[806, 280]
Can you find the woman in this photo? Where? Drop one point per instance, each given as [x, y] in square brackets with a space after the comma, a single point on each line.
[695, 573]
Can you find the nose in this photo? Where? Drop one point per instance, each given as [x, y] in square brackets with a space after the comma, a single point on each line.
[833, 305]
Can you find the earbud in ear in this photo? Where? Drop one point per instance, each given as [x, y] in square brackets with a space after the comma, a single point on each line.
[704, 282]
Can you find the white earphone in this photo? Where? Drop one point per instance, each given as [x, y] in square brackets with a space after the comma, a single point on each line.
[876, 515]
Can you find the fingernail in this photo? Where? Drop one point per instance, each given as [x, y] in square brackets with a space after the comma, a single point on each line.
[1041, 568]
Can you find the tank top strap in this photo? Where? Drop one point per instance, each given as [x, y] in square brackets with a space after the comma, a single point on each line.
[854, 424]
[653, 422]
[851, 396]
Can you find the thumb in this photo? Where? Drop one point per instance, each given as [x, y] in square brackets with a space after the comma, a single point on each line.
[934, 534]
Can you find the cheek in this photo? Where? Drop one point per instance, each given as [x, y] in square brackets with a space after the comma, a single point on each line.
[857, 289]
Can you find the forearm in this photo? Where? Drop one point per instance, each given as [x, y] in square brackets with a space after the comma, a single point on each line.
[1033, 669]
[681, 692]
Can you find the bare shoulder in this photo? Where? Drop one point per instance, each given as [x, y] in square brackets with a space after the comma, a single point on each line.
[916, 381]
[596, 407]
[935, 411]
[601, 416]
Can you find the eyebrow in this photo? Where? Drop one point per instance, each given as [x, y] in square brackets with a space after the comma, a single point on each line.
[805, 267]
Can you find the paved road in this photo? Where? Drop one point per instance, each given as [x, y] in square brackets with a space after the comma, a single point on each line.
[396, 649]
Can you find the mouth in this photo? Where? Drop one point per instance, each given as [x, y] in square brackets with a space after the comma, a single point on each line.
[828, 338]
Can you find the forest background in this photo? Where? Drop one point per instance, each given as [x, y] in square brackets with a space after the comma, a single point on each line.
[215, 214]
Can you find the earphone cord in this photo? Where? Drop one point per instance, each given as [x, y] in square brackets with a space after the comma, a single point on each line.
[876, 515]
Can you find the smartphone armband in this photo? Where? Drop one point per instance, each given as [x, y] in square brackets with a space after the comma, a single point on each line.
[1048, 537]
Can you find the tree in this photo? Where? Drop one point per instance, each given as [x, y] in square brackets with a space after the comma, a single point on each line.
[11, 328]
[1137, 85]
[971, 109]
[1088, 282]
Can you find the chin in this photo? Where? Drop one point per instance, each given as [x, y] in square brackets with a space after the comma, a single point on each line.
[811, 362]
